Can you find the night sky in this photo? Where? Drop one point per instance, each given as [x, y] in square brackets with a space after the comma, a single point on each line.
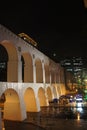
[59, 27]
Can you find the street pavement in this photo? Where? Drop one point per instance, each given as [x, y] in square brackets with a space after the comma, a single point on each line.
[51, 118]
[9, 125]
[51, 124]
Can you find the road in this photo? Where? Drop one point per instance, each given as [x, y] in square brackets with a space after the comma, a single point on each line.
[52, 118]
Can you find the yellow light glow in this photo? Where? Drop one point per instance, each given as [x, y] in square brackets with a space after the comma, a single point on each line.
[85, 3]
[78, 116]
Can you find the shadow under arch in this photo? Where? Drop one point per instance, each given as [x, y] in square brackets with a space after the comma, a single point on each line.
[30, 101]
[12, 110]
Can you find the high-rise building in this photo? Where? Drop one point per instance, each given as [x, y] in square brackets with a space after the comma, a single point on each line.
[75, 69]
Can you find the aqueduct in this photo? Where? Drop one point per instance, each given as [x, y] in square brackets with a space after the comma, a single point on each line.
[28, 78]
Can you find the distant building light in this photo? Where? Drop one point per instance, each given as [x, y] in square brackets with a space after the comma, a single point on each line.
[69, 69]
[54, 54]
[67, 63]
[2, 65]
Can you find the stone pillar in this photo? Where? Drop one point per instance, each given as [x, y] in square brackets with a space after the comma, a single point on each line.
[19, 71]
[43, 73]
[22, 107]
[34, 72]
[50, 78]
[38, 104]
[47, 102]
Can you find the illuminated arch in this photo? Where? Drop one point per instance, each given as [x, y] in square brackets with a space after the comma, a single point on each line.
[12, 110]
[30, 101]
[42, 97]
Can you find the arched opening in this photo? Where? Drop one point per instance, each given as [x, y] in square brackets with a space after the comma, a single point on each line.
[30, 101]
[47, 74]
[42, 97]
[27, 68]
[39, 71]
[11, 106]
[12, 58]
[53, 80]
[3, 63]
